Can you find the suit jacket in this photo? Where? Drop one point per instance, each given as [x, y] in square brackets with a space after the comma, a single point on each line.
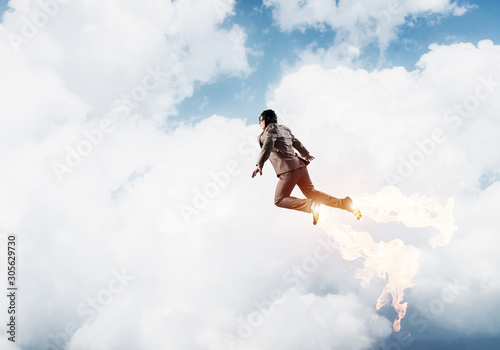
[277, 144]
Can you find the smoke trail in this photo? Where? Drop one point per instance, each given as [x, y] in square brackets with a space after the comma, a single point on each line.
[415, 211]
[394, 262]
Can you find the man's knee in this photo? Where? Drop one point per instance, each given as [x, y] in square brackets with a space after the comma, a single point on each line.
[277, 201]
[311, 193]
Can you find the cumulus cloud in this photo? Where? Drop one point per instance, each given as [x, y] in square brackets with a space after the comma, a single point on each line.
[105, 53]
[331, 322]
[156, 237]
[421, 131]
[356, 23]
[117, 265]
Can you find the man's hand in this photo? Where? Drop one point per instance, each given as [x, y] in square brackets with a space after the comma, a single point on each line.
[309, 158]
[257, 170]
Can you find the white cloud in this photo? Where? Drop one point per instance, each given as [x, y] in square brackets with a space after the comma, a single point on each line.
[356, 23]
[330, 322]
[191, 279]
[8, 345]
[102, 52]
[362, 125]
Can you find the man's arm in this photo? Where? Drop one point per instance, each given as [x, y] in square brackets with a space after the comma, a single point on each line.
[270, 136]
[257, 170]
[299, 146]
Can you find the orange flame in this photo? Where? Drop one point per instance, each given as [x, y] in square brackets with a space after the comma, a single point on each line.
[394, 261]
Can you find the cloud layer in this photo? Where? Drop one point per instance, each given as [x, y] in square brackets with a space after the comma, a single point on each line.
[421, 131]
[356, 23]
[155, 236]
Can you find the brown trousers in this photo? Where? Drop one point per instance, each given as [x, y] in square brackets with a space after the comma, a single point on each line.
[300, 177]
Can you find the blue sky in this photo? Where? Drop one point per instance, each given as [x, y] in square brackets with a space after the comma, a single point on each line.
[3, 5]
[277, 48]
[159, 189]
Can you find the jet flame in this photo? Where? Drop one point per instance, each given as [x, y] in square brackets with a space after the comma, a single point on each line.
[394, 261]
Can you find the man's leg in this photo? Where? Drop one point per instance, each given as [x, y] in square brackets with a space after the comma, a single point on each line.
[284, 188]
[306, 186]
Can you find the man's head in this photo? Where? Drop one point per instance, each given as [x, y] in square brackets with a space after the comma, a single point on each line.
[267, 117]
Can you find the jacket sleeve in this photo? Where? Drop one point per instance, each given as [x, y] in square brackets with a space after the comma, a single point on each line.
[270, 136]
[299, 146]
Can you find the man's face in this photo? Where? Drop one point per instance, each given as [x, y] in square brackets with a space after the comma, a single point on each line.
[262, 123]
